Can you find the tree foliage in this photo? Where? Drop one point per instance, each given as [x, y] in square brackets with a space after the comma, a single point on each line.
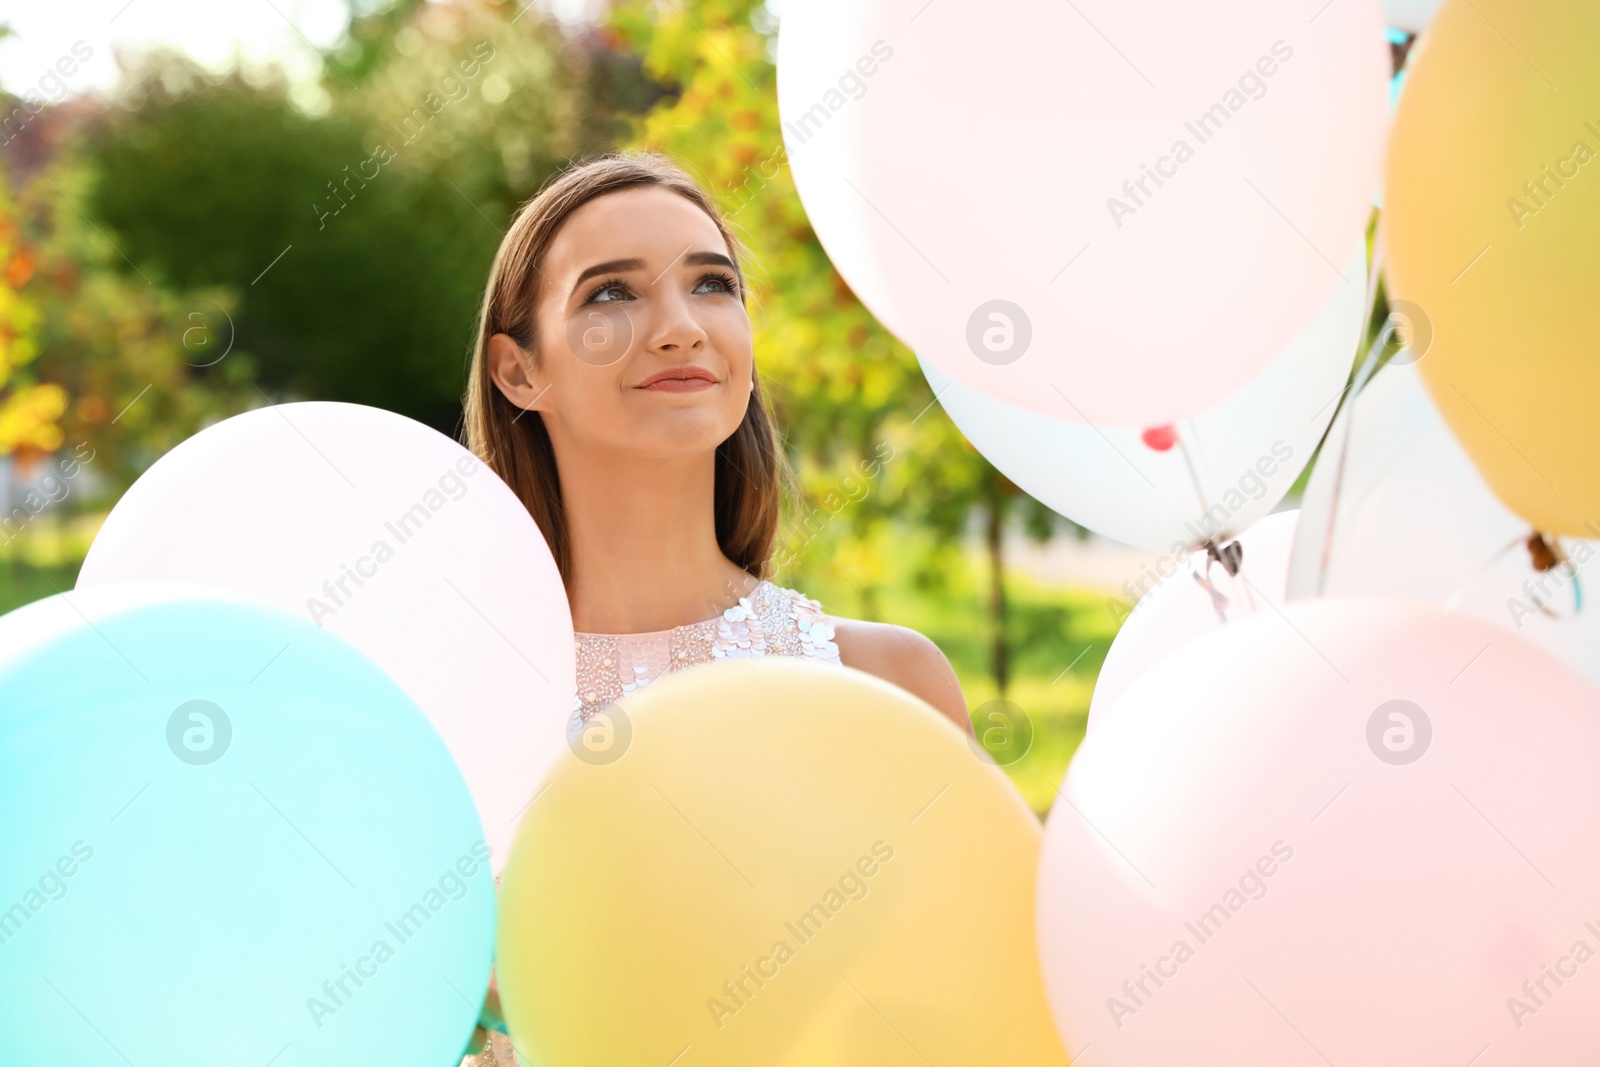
[110, 342]
[354, 240]
[29, 409]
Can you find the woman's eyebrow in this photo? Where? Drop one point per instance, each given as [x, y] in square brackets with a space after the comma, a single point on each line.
[615, 266]
[707, 259]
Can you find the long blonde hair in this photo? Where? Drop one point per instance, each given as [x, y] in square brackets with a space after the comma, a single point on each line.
[749, 465]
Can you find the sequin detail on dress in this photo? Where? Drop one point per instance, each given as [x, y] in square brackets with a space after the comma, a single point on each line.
[771, 621]
[497, 1052]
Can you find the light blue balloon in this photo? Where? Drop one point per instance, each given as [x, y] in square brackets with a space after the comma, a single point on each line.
[1395, 86]
[226, 837]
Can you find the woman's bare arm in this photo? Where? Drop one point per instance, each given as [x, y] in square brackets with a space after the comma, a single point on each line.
[904, 658]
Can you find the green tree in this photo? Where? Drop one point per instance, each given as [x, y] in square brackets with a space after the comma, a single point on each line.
[354, 241]
[29, 409]
[112, 342]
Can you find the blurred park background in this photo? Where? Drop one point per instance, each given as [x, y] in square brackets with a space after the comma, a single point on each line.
[206, 209]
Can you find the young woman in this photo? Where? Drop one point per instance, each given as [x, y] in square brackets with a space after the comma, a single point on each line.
[614, 388]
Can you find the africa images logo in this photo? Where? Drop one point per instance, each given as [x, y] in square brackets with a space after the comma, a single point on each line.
[453, 883]
[852, 885]
[1252, 85]
[1252, 885]
[450, 485]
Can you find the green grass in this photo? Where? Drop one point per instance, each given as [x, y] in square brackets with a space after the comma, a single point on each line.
[42, 559]
[23, 583]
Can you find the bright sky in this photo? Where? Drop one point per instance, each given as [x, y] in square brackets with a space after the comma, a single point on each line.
[212, 31]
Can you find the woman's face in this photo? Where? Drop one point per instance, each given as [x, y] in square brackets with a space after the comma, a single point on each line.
[642, 339]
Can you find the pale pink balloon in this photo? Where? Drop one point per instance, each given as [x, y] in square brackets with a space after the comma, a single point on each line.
[1262, 858]
[1231, 465]
[1111, 213]
[1176, 608]
[391, 536]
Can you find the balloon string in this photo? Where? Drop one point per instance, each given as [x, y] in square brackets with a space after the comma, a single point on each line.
[1536, 543]
[1194, 476]
[1219, 602]
[1454, 600]
[1375, 272]
[1231, 558]
[1249, 592]
[1364, 371]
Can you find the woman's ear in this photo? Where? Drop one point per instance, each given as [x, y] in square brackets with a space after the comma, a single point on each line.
[512, 368]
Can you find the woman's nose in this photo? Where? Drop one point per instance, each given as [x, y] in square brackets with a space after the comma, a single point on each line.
[676, 326]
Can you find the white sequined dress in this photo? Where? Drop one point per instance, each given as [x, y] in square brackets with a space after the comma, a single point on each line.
[771, 621]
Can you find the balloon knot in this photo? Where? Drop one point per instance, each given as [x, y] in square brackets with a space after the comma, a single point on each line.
[1160, 438]
[1231, 556]
[1544, 555]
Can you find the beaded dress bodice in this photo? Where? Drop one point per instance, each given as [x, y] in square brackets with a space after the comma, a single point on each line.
[771, 621]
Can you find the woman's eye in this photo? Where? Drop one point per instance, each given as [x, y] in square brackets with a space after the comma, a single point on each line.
[609, 294]
[717, 283]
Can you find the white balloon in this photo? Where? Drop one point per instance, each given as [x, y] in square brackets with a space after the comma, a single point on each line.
[1407, 515]
[1410, 15]
[1110, 213]
[1245, 452]
[391, 536]
[1178, 609]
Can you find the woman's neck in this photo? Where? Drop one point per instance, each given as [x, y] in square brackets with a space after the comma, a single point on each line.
[643, 542]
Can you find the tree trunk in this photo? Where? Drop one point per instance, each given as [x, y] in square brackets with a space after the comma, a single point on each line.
[1000, 649]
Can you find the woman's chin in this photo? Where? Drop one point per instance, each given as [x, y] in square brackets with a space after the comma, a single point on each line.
[683, 432]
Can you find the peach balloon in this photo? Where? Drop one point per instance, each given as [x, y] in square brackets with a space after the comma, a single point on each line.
[1492, 211]
[780, 863]
[1359, 832]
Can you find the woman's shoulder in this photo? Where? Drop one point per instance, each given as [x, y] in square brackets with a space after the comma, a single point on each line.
[906, 658]
[897, 654]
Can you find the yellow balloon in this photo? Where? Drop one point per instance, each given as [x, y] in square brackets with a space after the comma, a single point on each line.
[779, 863]
[1492, 209]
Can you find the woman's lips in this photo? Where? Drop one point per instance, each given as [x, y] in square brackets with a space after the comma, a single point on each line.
[679, 385]
[686, 379]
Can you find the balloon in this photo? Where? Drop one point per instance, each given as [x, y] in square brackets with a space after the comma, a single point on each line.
[774, 862]
[1358, 832]
[1395, 86]
[1493, 225]
[396, 539]
[1246, 452]
[1111, 214]
[1409, 15]
[1178, 609]
[230, 838]
[1406, 514]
